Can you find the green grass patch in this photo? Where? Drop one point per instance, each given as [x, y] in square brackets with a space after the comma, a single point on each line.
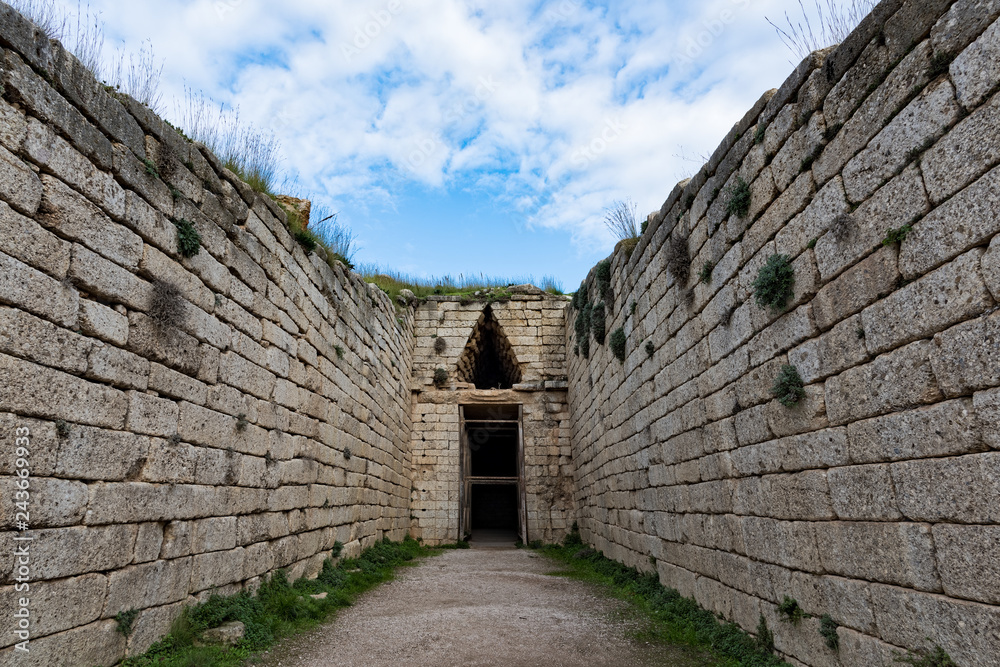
[279, 608]
[669, 617]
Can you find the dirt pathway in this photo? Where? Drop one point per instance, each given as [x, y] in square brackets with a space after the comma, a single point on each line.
[478, 607]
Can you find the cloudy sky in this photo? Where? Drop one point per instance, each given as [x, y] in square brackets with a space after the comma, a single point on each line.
[467, 136]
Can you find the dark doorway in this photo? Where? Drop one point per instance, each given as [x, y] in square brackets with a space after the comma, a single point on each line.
[494, 508]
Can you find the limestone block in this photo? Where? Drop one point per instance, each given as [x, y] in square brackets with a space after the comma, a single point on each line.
[977, 69]
[21, 188]
[836, 351]
[57, 605]
[786, 332]
[966, 220]
[155, 263]
[170, 463]
[151, 626]
[951, 294]
[801, 496]
[90, 453]
[826, 206]
[786, 543]
[896, 380]
[242, 374]
[856, 288]
[964, 489]
[148, 542]
[168, 382]
[164, 344]
[148, 585]
[752, 426]
[27, 241]
[54, 502]
[14, 124]
[217, 568]
[59, 158]
[755, 387]
[71, 216]
[967, 631]
[26, 388]
[258, 560]
[118, 367]
[864, 493]
[964, 357]
[923, 121]
[809, 414]
[969, 562]
[132, 173]
[27, 288]
[944, 429]
[26, 336]
[95, 644]
[788, 163]
[139, 502]
[964, 154]
[961, 24]
[894, 553]
[871, 116]
[66, 552]
[153, 226]
[151, 416]
[896, 204]
[108, 281]
[103, 322]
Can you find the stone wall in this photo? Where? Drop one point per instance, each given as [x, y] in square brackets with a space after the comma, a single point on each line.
[874, 499]
[194, 423]
[533, 324]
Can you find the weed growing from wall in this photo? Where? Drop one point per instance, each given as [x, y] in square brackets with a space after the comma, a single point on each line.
[440, 345]
[788, 388]
[758, 137]
[620, 220]
[739, 199]
[828, 629]
[790, 611]
[603, 275]
[775, 282]
[440, 377]
[188, 238]
[241, 422]
[650, 348]
[617, 343]
[62, 428]
[679, 259]
[598, 322]
[166, 305]
[896, 236]
[125, 621]
[936, 657]
[705, 275]
[765, 638]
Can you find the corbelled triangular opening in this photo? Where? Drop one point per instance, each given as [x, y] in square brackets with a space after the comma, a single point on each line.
[488, 360]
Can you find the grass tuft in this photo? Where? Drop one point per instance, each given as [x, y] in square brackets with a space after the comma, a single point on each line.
[672, 618]
[598, 322]
[126, 620]
[440, 377]
[896, 236]
[790, 611]
[828, 629]
[278, 609]
[650, 348]
[706, 273]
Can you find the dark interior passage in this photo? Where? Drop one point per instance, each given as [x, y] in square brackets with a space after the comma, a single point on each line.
[494, 449]
[494, 507]
[488, 360]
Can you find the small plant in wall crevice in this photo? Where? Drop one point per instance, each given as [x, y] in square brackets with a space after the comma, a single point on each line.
[617, 343]
[936, 657]
[598, 323]
[788, 388]
[790, 611]
[126, 621]
[650, 348]
[679, 259]
[440, 344]
[440, 377]
[739, 199]
[188, 238]
[775, 282]
[706, 273]
[828, 629]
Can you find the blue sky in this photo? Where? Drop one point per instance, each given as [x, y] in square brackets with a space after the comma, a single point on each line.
[473, 136]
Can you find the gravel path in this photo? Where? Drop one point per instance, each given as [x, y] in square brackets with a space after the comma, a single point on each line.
[478, 607]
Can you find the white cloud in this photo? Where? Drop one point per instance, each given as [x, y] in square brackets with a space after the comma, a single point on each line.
[556, 108]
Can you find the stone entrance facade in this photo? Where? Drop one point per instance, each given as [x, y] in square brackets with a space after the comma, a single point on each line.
[514, 350]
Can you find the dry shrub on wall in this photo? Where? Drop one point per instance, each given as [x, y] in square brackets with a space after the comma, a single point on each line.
[831, 22]
[679, 259]
[166, 305]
